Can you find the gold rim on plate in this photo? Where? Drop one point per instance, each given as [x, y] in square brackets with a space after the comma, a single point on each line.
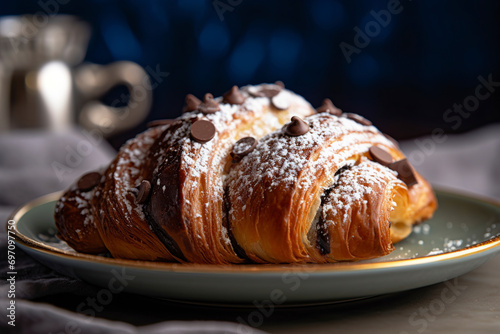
[243, 268]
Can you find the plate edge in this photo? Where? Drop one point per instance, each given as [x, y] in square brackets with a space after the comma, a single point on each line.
[250, 268]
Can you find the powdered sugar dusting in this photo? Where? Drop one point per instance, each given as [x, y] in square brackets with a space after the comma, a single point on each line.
[295, 162]
[127, 168]
[278, 161]
[285, 176]
[355, 185]
[242, 146]
[205, 164]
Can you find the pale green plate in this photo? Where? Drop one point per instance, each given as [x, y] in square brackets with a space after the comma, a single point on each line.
[464, 233]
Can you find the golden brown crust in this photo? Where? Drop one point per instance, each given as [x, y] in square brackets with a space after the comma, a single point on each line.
[75, 222]
[187, 200]
[309, 191]
[359, 227]
[120, 219]
[276, 192]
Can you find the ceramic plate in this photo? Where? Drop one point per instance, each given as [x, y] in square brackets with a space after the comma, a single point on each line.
[464, 233]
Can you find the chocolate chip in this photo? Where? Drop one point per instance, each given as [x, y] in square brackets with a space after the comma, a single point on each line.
[297, 127]
[329, 107]
[405, 171]
[281, 101]
[264, 91]
[271, 91]
[242, 147]
[209, 105]
[192, 103]
[144, 191]
[380, 155]
[394, 141]
[88, 181]
[358, 118]
[254, 91]
[202, 130]
[160, 122]
[233, 96]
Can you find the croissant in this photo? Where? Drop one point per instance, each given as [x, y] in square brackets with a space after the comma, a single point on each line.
[257, 176]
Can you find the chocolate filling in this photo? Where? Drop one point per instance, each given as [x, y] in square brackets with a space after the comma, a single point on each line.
[165, 239]
[163, 206]
[162, 211]
[322, 235]
[323, 238]
[340, 171]
[226, 208]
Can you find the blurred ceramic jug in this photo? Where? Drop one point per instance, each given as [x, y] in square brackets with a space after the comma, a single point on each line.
[44, 86]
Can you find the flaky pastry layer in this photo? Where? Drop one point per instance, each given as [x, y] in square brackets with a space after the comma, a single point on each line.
[308, 191]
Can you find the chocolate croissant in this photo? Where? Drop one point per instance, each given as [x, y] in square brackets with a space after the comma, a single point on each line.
[256, 175]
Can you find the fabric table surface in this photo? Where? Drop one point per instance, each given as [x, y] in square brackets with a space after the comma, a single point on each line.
[33, 164]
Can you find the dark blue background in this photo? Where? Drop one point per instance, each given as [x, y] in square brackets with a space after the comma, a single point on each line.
[426, 59]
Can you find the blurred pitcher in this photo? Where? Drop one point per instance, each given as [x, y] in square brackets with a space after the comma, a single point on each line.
[43, 85]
